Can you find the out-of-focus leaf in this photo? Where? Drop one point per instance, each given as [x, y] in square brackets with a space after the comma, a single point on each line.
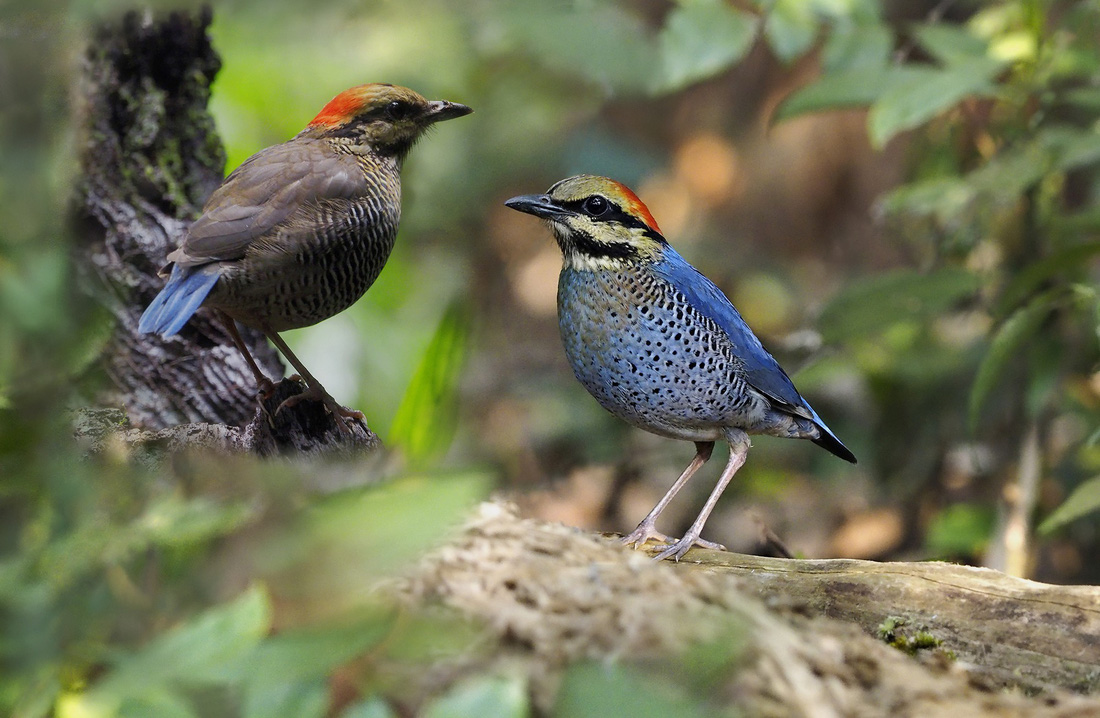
[592, 690]
[872, 305]
[601, 42]
[950, 44]
[790, 26]
[290, 699]
[308, 654]
[344, 544]
[196, 652]
[702, 38]
[156, 703]
[497, 697]
[1087, 98]
[425, 422]
[1032, 276]
[1084, 500]
[855, 87]
[1071, 147]
[927, 93]
[373, 707]
[943, 198]
[857, 47]
[959, 529]
[1015, 331]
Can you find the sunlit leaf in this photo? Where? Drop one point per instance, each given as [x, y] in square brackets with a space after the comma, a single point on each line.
[425, 422]
[482, 696]
[156, 703]
[876, 303]
[702, 38]
[1085, 499]
[926, 93]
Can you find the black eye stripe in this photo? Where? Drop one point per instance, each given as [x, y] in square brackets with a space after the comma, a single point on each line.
[613, 214]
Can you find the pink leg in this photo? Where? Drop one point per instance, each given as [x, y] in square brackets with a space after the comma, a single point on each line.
[647, 529]
[739, 450]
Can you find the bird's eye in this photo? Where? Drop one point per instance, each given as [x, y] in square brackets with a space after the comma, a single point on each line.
[398, 110]
[595, 205]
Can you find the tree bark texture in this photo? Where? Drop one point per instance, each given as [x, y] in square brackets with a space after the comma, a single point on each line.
[149, 158]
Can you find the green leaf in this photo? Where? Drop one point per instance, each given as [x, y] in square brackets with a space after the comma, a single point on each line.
[156, 703]
[855, 87]
[959, 529]
[373, 707]
[1084, 500]
[595, 690]
[488, 696]
[425, 422]
[857, 47]
[307, 655]
[1015, 331]
[1034, 275]
[196, 652]
[601, 42]
[876, 303]
[702, 38]
[944, 198]
[927, 93]
[291, 699]
[950, 44]
[790, 26]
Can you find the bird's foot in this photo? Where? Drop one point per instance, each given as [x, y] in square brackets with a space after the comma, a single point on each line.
[265, 388]
[640, 536]
[677, 550]
[339, 412]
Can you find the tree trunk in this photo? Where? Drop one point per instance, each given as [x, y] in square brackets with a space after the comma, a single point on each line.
[150, 157]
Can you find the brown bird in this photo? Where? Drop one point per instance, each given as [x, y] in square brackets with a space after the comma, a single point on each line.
[301, 230]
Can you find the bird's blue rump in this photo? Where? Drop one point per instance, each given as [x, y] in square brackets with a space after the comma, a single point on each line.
[180, 298]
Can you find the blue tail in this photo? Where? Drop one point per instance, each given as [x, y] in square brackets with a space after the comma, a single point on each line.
[828, 440]
[180, 298]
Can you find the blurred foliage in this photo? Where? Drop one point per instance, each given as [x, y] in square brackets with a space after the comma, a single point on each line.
[963, 316]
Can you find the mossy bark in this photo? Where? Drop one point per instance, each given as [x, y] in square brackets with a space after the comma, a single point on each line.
[149, 158]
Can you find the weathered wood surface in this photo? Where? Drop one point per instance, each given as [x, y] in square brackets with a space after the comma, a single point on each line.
[553, 595]
[1013, 631]
[149, 158]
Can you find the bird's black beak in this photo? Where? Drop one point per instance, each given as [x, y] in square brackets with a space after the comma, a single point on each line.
[439, 110]
[539, 205]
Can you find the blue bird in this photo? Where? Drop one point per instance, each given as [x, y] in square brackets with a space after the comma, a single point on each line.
[658, 344]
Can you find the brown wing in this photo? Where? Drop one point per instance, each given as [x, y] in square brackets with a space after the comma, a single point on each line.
[263, 192]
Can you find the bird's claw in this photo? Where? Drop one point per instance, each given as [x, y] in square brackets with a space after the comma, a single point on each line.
[677, 550]
[265, 388]
[339, 412]
[640, 536]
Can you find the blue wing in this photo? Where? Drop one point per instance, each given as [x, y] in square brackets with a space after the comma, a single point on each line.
[762, 371]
